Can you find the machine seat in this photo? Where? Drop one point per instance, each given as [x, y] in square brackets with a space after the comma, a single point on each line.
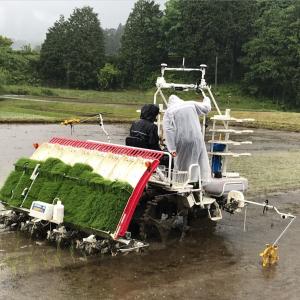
[222, 186]
[135, 142]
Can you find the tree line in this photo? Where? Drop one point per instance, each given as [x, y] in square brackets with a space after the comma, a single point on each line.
[256, 43]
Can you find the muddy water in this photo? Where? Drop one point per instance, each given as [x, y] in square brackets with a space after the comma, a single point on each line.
[213, 262]
[16, 140]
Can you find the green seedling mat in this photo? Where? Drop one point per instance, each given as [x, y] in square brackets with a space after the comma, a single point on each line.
[90, 200]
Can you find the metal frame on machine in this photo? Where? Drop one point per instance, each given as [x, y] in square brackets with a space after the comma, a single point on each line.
[223, 119]
[161, 84]
[202, 86]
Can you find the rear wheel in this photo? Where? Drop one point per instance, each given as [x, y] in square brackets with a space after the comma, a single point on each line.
[164, 216]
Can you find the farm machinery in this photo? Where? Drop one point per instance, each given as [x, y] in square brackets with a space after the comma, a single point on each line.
[104, 197]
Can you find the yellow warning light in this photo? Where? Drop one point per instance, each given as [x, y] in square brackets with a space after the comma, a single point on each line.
[269, 255]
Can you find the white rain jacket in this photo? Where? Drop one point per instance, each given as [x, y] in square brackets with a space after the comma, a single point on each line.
[182, 131]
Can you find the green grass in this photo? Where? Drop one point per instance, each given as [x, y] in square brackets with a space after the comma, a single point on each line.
[274, 120]
[229, 95]
[121, 106]
[50, 112]
[85, 96]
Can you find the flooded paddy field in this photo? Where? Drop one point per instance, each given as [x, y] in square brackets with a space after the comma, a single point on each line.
[17, 139]
[215, 261]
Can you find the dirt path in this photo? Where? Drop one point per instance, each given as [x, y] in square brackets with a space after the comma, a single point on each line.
[16, 97]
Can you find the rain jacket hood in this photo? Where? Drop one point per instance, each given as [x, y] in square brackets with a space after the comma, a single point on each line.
[149, 112]
[174, 100]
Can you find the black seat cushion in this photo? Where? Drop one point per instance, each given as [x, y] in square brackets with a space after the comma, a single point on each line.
[135, 142]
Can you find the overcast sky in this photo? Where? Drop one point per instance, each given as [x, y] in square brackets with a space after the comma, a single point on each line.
[29, 20]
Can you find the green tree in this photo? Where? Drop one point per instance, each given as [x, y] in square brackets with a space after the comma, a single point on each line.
[17, 67]
[273, 57]
[73, 50]
[109, 77]
[112, 38]
[53, 54]
[142, 46]
[5, 45]
[202, 30]
[4, 76]
[85, 48]
[5, 42]
[26, 48]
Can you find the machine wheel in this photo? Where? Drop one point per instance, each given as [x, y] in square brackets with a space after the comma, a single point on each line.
[163, 215]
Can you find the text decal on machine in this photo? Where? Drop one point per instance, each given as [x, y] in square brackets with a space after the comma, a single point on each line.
[39, 208]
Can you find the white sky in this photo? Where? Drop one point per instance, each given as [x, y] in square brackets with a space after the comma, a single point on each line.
[29, 20]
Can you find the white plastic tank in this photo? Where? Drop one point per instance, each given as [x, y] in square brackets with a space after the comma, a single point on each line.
[58, 212]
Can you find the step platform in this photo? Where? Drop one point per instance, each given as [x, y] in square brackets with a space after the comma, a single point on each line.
[218, 187]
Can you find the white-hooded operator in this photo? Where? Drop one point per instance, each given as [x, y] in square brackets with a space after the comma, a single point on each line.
[184, 139]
